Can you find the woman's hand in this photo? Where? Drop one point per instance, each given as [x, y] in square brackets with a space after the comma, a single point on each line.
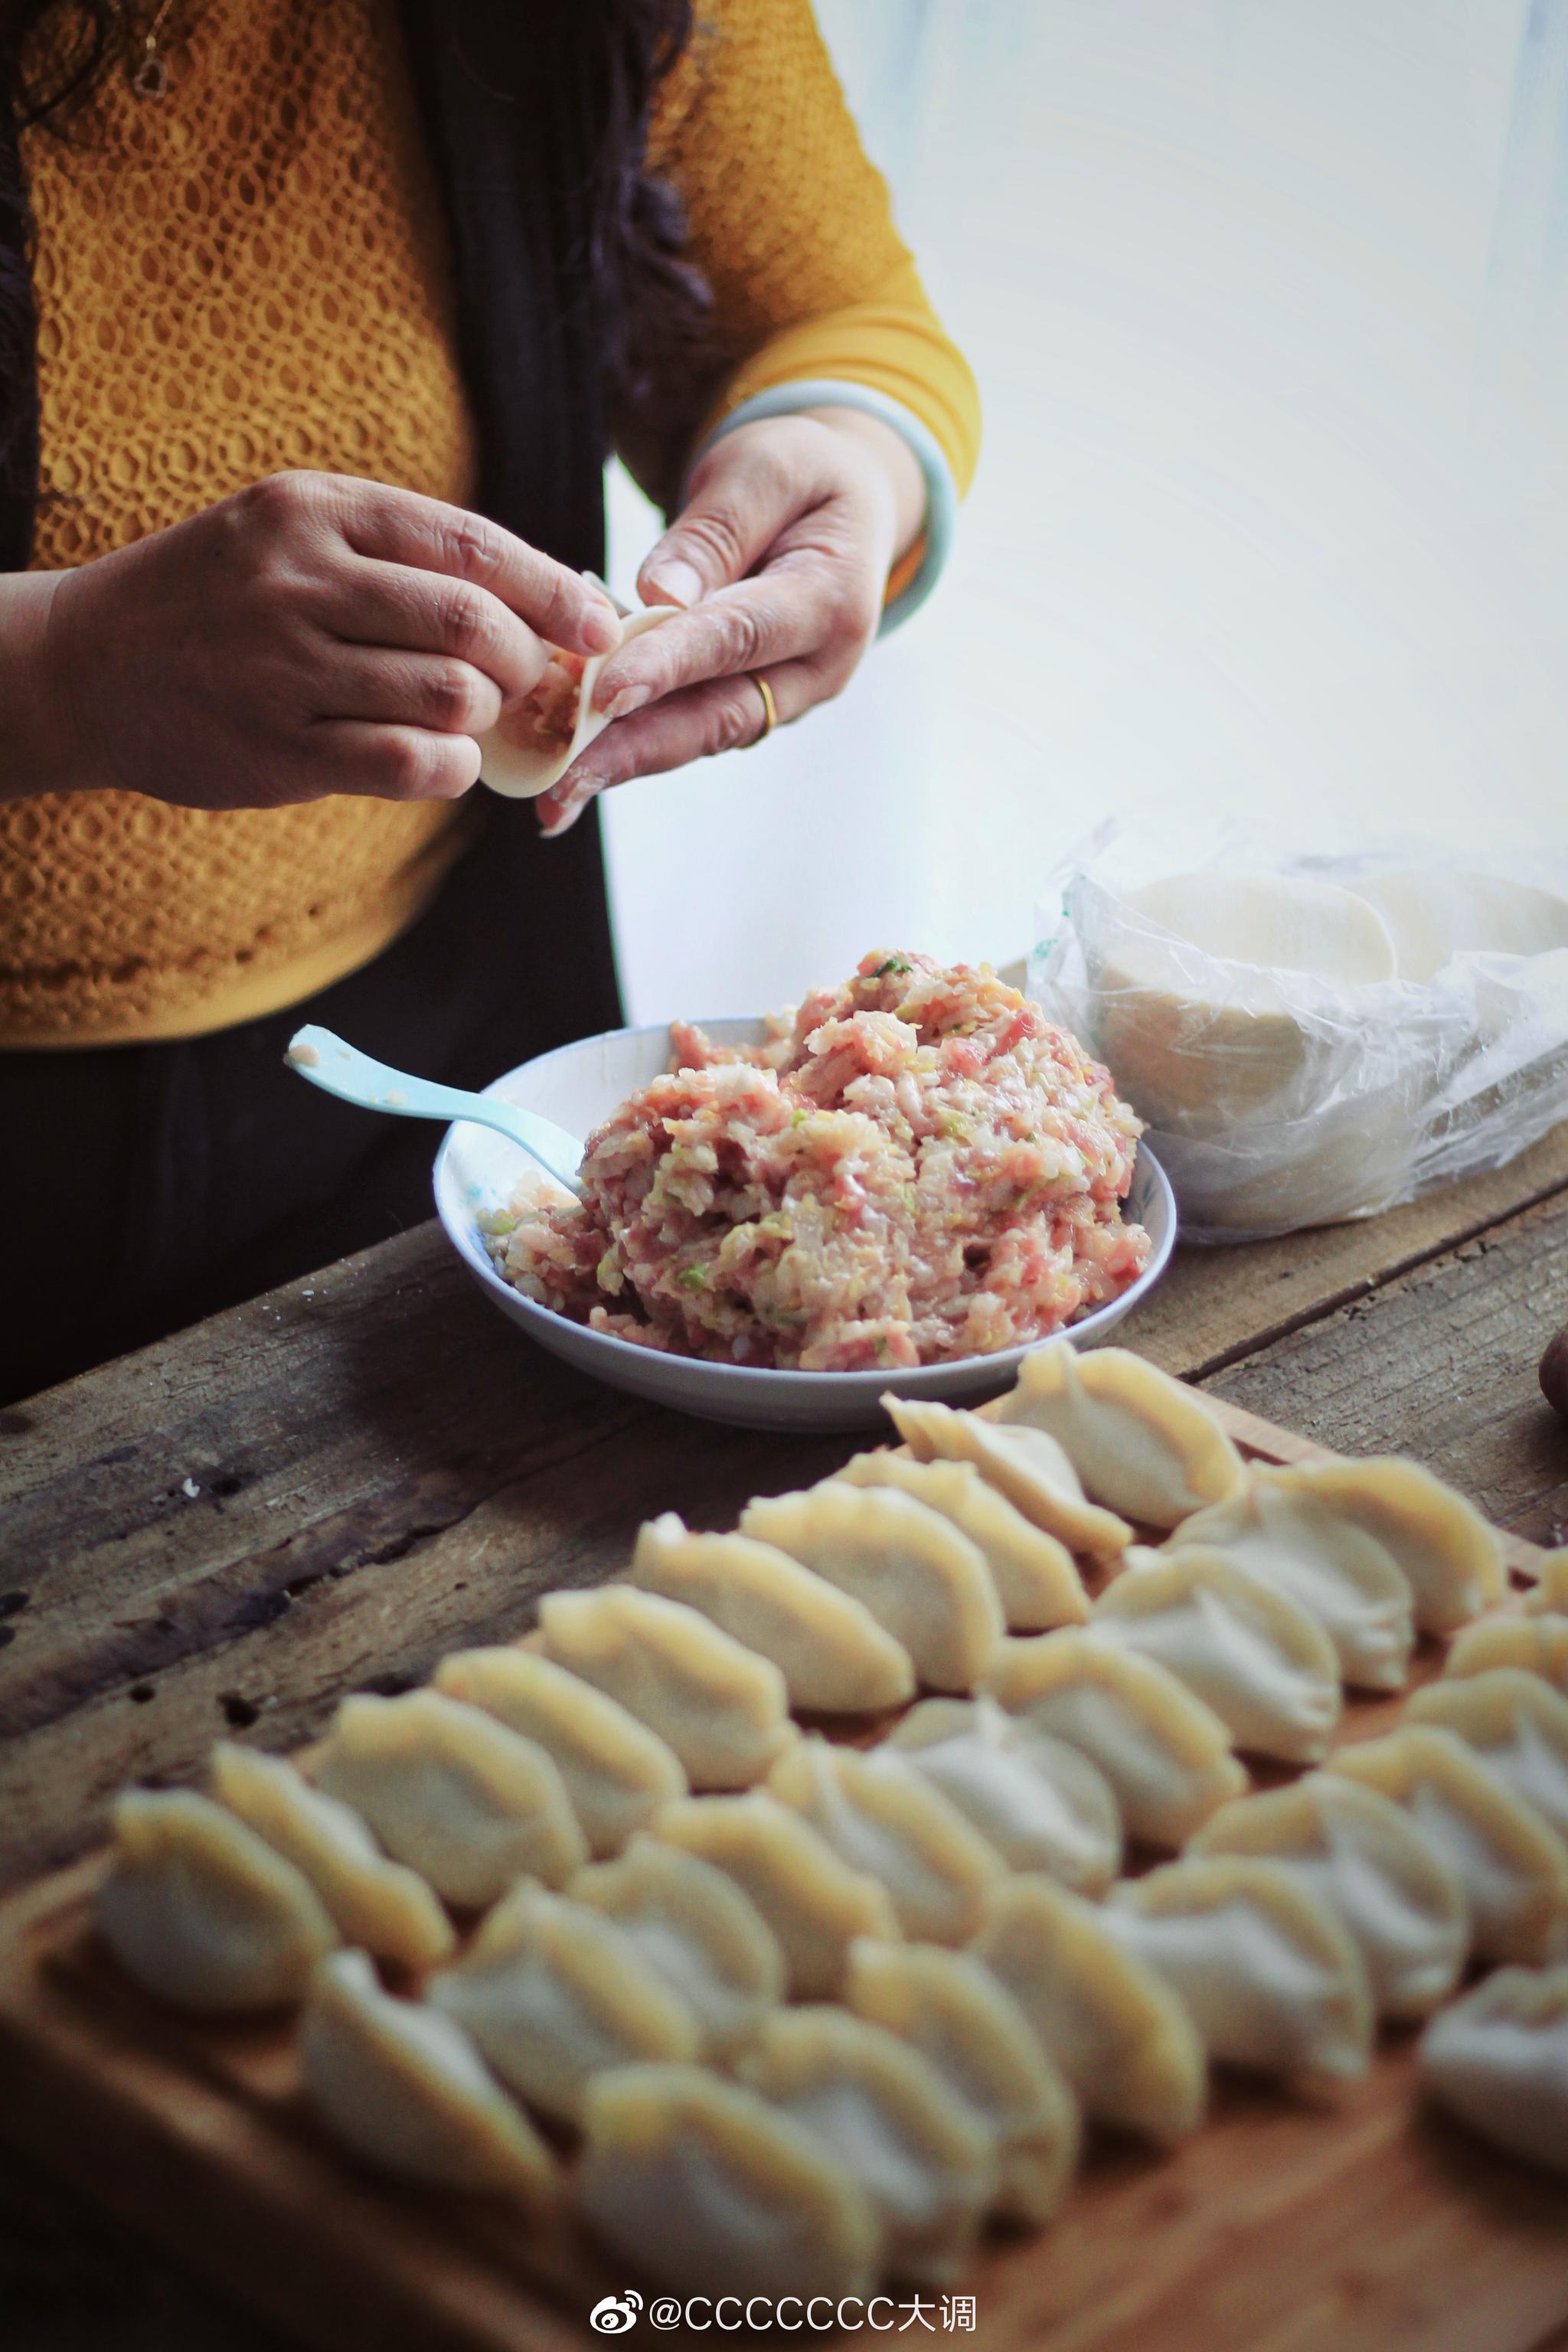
[314, 634]
[779, 561]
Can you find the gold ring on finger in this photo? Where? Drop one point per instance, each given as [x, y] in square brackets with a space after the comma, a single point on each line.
[770, 709]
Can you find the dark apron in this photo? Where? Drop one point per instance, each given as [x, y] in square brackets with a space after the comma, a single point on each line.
[144, 1186]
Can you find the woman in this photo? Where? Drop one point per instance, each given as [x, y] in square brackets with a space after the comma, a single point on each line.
[316, 326]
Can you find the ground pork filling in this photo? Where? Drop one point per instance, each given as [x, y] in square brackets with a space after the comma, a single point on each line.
[915, 1166]
[546, 719]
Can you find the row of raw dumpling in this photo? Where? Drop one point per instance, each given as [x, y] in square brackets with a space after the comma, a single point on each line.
[955, 1868]
[629, 1985]
[551, 1766]
[1372, 1549]
[542, 1970]
[835, 2144]
[937, 1555]
[1164, 2089]
[1498, 2057]
[1299, 1916]
[1441, 1843]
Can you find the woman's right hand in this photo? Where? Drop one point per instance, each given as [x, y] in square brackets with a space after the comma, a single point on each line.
[313, 633]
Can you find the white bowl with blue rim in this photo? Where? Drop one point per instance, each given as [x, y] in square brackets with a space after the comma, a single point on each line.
[577, 1087]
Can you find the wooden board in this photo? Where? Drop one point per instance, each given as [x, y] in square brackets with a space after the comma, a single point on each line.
[1369, 2224]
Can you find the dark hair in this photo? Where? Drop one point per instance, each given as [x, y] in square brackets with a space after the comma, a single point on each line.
[651, 302]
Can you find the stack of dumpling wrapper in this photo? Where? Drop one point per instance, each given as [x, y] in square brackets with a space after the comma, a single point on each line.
[605, 1918]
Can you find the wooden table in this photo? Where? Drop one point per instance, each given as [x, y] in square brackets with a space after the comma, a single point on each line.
[324, 1489]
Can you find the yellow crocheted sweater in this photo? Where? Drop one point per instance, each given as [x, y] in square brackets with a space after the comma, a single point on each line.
[252, 273]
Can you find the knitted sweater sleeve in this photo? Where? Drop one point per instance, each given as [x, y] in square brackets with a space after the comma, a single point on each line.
[791, 227]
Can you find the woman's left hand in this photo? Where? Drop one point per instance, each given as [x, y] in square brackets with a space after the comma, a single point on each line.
[778, 562]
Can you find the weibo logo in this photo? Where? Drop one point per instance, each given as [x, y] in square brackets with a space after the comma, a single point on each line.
[614, 2314]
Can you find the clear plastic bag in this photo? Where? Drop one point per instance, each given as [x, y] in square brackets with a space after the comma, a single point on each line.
[1278, 1098]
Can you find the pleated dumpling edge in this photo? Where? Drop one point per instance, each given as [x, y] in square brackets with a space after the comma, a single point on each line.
[1144, 1445]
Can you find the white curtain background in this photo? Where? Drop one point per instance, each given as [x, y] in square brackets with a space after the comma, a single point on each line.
[1266, 299]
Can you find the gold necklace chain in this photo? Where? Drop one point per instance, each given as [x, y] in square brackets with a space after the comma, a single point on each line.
[150, 77]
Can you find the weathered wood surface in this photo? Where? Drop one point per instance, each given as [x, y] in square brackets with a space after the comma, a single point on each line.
[382, 1467]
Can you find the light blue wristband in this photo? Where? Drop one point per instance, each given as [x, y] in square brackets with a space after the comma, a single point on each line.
[942, 495]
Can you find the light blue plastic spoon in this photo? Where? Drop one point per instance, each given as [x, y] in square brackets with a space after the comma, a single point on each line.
[341, 1070]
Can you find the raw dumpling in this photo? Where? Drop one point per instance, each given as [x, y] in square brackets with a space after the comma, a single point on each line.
[1518, 1725]
[918, 1577]
[1537, 1644]
[706, 2188]
[1270, 1976]
[692, 1924]
[1550, 1592]
[833, 1655]
[1166, 1755]
[1300, 1543]
[1036, 1575]
[552, 1992]
[1025, 1465]
[1512, 1867]
[1142, 1443]
[1499, 2059]
[814, 1902]
[883, 2111]
[533, 744]
[1042, 1804]
[616, 1771]
[381, 1904]
[1261, 1662]
[202, 1912]
[467, 1803]
[407, 2090]
[1450, 1556]
[952, 2010]
[1354, 1850]
[723, 1709]
[880, 1816]
[1116, 2032]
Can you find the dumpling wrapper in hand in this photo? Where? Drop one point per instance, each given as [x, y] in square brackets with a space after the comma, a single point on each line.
[1450, 1557]
[1513, 1865]
[1536, 1645]
[1040, 1803]
[202, 1912]
[1036, 1575]
[553, 1992]
[616, 1771]
[811, 1898]
[834, 1657]
[951, 2009]
[1498, 2058]
[1298, 1542]
[532, 746]
[405, 2088]
[1354, 1850]
[1118, 2034]
[922, 1581]
[1142, 1442]
[1271, 1979]
[880, 1816]
[1518, 1725]
[706, 2188]
[1168, 1757]
[1262, 1663]
[694, 1927]
[1023, 1464]
[721, 1708]
[1549, 1594]
[381, 1905]
[469, 1805]
[885, 2115]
